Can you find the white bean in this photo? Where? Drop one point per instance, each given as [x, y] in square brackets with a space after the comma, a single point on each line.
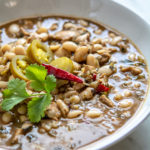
[15, 137]
[54, 26]
[105, 41]
[54, 47]
[94, 113]
[98, 31]
[76, 65]
[132, 57]
[127, 114]
[70, 46]
[62, 52]
[81, 54]
[83, 23]
[6, 48]
[126, 103]
[53, 111]
[97, 47]
[65, 35]
[14, 28]
[141, 59]
[83, 38]
[102, 51]
[42, 30]
[127, 93]
[43, 36]
[19, 50]
[70, 93]
[46, 125]
[21, 41]
[74, 113]
[41, 130]
[118, 97]
[3, 84]
[6, 117]
[69, 25]
[136, 71]
[63, 107]
[105, 69]
[22, 110]
[137, 85]
[106, 100]
[133, 70]
[23, 118]
[112, 35]
[92, 61]
[87, 93]
[9, 55]
[78, 86]
[94, 84]
[75, 99]
[96, 40]
[74, 106]
[116, 40]
[55, 124]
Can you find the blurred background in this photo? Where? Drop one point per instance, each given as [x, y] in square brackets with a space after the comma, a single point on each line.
[140, 138]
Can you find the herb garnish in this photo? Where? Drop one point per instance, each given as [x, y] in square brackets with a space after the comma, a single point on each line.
[16, 92]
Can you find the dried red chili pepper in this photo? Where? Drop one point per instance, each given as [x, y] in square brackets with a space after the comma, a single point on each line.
[102, 88]
[94, 77]
[61, 74]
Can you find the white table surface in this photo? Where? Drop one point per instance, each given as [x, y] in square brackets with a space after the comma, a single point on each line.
[140, 138]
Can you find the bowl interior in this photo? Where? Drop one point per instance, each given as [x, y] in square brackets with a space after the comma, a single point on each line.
[107, 12]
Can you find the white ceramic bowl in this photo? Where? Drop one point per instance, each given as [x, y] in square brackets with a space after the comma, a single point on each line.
[105, 11]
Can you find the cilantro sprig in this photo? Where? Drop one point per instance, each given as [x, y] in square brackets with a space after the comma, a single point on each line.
[16, 92]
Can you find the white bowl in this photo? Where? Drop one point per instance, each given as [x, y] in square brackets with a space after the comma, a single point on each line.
[105, 11]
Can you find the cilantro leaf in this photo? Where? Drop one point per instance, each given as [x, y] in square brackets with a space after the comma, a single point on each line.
[36, 72]
[6, 93]
[50, 83]
[37, 75]
[15, 94]
[37, 106]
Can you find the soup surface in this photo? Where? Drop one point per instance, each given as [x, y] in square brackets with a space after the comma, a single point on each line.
[101, 81]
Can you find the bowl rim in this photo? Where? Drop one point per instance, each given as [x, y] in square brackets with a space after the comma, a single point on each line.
[94, 145]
